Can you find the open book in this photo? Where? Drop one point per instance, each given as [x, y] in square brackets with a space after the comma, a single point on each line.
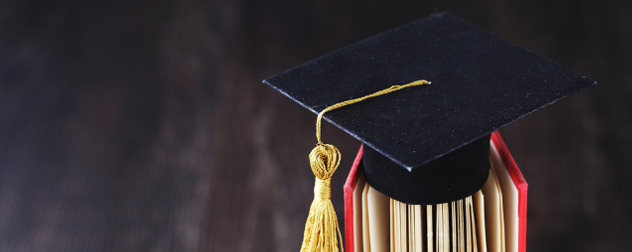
[492, 219]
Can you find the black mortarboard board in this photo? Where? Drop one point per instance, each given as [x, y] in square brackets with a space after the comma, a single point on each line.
[428, 144]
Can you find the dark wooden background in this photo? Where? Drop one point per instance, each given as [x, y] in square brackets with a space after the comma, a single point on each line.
[144, 126]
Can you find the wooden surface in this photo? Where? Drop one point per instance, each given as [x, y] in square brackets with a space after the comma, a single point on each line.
[143, 126]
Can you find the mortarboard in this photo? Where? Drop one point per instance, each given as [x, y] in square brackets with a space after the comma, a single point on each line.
[428, 144]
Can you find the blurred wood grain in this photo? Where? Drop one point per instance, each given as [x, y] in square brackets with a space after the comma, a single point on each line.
[144, 126]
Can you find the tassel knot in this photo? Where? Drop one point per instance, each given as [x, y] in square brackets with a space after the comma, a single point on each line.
[324, 160]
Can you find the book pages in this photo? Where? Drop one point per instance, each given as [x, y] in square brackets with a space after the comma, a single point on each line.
[378, 205]
[493, 214]
[357, 213]
[365, 220]
[510, 201]
[479, 209]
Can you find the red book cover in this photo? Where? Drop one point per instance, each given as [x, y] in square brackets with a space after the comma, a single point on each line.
[521, 185]
[350, 184]
[507, 160]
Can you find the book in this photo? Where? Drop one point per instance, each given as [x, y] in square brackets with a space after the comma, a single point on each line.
[492, 219]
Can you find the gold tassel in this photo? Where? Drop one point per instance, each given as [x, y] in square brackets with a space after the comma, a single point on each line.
[321, 229]
[322, 224]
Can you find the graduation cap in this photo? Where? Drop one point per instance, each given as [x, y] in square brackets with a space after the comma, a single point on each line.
[428, 144]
